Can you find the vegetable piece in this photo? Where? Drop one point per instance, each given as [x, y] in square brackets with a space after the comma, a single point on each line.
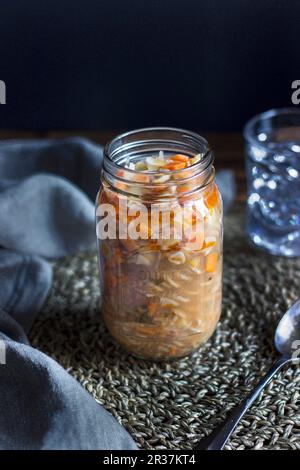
[140, 178]
[173, 351]
[154, 163]
[185, 188]
[177, 258]
[196, 159]
[152, 308]
[195, 262]
[180, 158]
[208, 242]
[166, 302]
[211, 262]
[140, 166]
[212, 198]
[162, 179]
[173, 166]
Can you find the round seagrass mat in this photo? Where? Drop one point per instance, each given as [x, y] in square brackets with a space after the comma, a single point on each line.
[172, 405]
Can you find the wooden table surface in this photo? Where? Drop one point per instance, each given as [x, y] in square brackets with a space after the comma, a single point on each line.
[228, 148]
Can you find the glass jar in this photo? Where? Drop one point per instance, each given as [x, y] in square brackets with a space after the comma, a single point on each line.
[159, 231]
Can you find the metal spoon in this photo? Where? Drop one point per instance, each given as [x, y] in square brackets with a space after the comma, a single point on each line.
[287, 339]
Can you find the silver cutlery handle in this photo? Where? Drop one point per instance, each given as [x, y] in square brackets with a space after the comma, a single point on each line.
[218, 438]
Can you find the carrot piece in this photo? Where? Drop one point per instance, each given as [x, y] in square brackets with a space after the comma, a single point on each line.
[140, 178]
[208, 244]
[180, 158]
[119, 184]
[173, 351]
[152, 307]
[211, 262]
[148, 330]
[212, 198]
[174, 166]
[158, 189]
[153, 245]
[167, 306]
[184, 188]
[120, 173]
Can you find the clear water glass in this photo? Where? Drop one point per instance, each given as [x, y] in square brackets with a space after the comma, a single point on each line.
[273, 178]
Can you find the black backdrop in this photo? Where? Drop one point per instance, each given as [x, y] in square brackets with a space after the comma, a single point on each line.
[111, 64]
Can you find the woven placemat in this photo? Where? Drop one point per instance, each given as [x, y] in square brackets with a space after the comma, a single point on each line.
[172, 405]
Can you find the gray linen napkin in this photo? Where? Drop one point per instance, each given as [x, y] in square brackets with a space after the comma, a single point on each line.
[47, 189]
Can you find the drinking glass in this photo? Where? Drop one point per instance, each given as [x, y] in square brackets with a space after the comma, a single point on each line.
[272, 141]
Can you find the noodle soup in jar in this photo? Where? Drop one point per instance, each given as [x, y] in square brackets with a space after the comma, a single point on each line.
[159, 231]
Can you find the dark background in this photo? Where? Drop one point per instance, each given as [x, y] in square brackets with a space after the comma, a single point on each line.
[117, 64]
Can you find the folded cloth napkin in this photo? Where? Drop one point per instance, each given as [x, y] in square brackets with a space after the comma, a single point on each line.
[47, 193]
[47, 189]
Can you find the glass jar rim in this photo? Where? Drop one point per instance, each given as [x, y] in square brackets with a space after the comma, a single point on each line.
[207, 154]
[141, 130]
[249, 129]
[154, 139]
